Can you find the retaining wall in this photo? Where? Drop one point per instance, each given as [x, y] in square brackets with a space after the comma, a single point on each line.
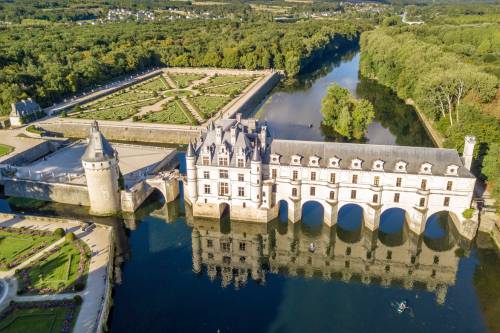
[33, 153]
[63, 193]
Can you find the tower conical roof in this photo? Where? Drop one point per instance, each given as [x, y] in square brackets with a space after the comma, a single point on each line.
[98, 148]
[256, 155]
[190, 150]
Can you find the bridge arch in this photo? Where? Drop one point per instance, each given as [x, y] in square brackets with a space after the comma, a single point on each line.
[349, 226]
[393, 227]
[312, 213]
[440, 231]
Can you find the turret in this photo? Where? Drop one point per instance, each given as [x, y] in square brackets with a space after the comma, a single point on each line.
[468, 154]
[100, 162]
[192, 182]
[256, 177]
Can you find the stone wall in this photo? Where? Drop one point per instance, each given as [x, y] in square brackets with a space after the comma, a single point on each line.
[33, 153]
[63, 193]
[124, 131]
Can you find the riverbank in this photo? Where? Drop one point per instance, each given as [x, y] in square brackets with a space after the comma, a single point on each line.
[436, 137]
[97, 294]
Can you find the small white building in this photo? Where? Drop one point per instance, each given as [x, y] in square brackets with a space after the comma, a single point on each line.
[24, 111]
[236, 164]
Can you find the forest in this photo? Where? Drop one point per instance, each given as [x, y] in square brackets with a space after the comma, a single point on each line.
[451, 74]
[49, 62]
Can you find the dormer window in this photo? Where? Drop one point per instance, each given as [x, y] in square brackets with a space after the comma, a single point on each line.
[378, 165]
[275, 158]
[314, 161]
[296, 159]
[356, 163]
[401, 166]
[452, 170]
[426, 168]
[334, 162]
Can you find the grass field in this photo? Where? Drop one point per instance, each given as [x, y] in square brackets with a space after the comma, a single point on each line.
[209, 105]
[4, 149]
[225, 79]
[183, 80]
[58, 271]
[172, 113]
[229, 89]
[13, 245]
[37, 320]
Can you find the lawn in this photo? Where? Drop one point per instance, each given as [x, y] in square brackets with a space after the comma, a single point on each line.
[209, 105]
[16, 246]
[183, 80]
[228, 89]
[172, 113]
[56, 272]
[224, 79]
[40, 318]
[156, 84]
[4, 149]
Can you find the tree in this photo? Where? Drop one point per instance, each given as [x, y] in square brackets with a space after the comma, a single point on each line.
[346, 115]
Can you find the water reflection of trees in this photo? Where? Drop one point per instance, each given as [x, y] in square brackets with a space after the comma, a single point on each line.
[392, 112]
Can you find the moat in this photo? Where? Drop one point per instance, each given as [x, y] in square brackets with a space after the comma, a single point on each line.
[179, 274]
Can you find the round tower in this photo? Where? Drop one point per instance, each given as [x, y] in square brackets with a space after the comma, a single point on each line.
[100, 162]
[468, 154]
[192, 183]
[256, 177]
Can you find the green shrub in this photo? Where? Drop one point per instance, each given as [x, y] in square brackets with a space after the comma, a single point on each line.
[468, 213]
[59, 232]
[70, 236]
[78, 299]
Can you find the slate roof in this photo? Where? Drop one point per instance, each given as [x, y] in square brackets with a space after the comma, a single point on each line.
[24, 107]
[415, 156]
[98, 148]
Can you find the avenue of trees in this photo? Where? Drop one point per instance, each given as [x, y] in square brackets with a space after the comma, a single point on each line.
[345, 114]
[53, 61]
[456, 89]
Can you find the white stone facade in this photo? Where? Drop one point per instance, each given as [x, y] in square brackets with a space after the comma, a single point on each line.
[237, 164]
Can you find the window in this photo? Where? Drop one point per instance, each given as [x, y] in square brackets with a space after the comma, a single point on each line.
[332, 195]
[210, 255]
[423, 184]
[353, 194]
[375, 198]
[354, 179]
[446, 202]
[205, 160]
[243, 260]
[243, 246]
[332, 178]
[295, 175]
[241, 191]
[313, 175]
[210, 243]
[226, 260]
[396, 197]
[241, 177]
[241, 163]
[376, 180]
[449, 186]
[225, 246]
[206, 174]
[422, 202]
[436, 260]
[223, 174]
[389, 255]
[294, 192]
[312, 191]
[398, 182]
[274, 173]
[224, 189]
[207, 189]
[348, 251]
[223, 161]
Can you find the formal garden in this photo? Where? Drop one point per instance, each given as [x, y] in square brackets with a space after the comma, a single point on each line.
[18, 244]
[61, 269]
[170, 98]
[40, 317]
[5, 149]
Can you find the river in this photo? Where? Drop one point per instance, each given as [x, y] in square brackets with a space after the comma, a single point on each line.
[179, 274]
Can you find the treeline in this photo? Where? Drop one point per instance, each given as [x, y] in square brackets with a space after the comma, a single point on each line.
[460, 96]
[48, 63]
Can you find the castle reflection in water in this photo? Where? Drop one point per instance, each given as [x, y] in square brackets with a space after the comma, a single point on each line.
[233, 252]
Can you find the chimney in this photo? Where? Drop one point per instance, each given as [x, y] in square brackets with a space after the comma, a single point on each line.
[468, 154]
[234, 134]
[218, 134]
[238, 117]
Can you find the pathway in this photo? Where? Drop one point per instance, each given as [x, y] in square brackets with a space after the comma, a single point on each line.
[99, 241]
[170, 82]
[158, 106]
[193, 110]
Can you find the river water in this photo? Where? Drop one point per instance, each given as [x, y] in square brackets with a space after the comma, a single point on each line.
[179, 274]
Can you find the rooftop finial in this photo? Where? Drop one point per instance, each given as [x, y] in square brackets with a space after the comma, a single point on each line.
[190, 150]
